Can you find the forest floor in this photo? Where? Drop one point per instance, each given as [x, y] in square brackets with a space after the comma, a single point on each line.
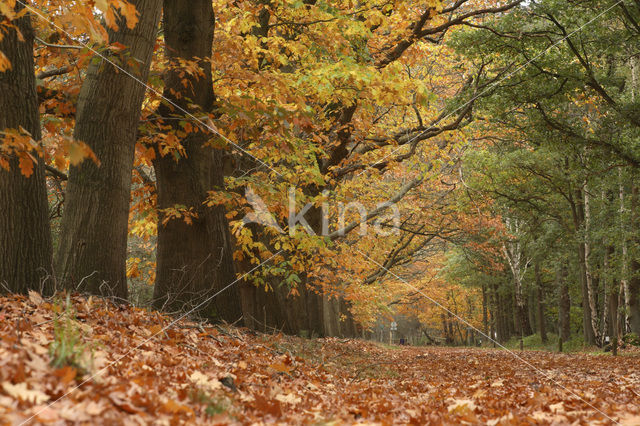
[122, 365]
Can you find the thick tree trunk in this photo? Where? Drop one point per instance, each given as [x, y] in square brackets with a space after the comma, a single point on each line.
[93, 247]
[194, 260]
[25, 236]
[276, 307]
[328, 306]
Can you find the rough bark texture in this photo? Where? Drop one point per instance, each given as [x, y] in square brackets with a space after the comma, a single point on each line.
[25, 237]
[194, 261]
[93, 246]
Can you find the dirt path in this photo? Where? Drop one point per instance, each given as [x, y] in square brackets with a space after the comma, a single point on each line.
[130, 369]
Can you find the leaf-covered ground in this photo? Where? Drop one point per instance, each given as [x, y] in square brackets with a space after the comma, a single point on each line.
[127, 370]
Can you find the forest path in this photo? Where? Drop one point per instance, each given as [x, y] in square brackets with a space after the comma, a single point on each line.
[143, 369]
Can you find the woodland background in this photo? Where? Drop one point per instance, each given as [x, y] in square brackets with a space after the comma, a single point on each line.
[507, 133]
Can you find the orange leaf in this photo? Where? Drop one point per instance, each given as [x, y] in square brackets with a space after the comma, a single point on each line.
[66, 374]
[26, 164]
[173, 407]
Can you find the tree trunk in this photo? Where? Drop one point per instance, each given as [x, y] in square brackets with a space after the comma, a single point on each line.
[25, 236]
[194, 260]
[564, 305]
[589, 281]
[93, 245]
[514, 255]
[485, 318]
[624, 281]
[521, 311]
[510, 318]
[532, 309]
[605, 323]
[634, 281]
[613, 320]
[612, 310]
[445, 328]
[540, 303]
[578, 220]
[498, 312]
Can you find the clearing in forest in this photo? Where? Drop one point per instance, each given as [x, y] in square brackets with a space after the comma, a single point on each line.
[94, 362]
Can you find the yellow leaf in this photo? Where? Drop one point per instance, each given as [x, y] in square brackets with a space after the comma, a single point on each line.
[289, 398]
[7, 8]
[155, 329]
[79, 151]
[21, 392]
[131, 14]
[5, 63]
[103, 5]
[205, 382]
[35, 298]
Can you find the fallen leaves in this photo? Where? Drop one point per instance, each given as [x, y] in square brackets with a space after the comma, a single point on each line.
[229, 375]
[204, 382]
[21, 392]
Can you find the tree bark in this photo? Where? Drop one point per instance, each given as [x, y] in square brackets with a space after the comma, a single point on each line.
[93, 247]
[498, 310]
[624, 281]
[613, 321]
[514, 254]
[485, 318]
[510, 317]
[194, 260]
[578, 220]
[565, 304]
[589, 281]
[542, 328]
[634, 280]
[25, 236]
